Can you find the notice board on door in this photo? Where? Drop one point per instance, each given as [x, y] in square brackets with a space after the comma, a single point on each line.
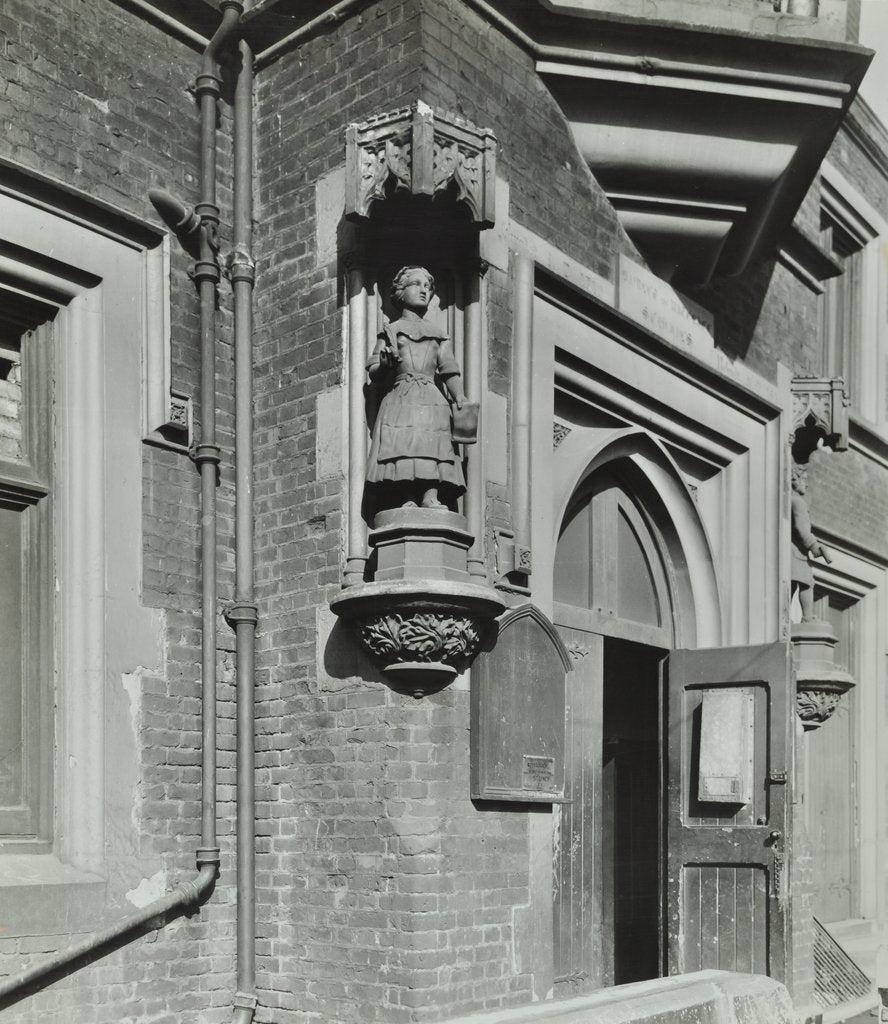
[517, 719]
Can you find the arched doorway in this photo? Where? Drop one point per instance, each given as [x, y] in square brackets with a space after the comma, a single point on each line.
[670, 850]
[615, 609]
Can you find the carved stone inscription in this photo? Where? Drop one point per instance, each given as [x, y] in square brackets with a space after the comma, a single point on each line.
[518, 686]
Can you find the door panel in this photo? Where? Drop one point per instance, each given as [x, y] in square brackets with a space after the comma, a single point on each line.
[725, 884]
[577, 861]
[725, 909]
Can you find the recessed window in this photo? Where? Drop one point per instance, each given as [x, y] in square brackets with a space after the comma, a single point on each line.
[853, 325]
[26, 662]
[842, 302]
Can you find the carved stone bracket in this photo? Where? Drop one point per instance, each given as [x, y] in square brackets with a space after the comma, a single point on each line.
[815, 703]
[422, 617]
[423, 153]
[421, 634]
[819, 415]
[820, 683]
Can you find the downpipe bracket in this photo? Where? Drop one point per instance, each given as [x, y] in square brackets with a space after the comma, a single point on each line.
[201, 453]
[237, 614]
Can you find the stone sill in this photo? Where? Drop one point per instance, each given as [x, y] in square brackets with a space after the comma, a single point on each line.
[705, 997]
[41, 895]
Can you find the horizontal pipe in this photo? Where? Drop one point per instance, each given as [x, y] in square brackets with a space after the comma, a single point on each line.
[177, 28]
[336, 12]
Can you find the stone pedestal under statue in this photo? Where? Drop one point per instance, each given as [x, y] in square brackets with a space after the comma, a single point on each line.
[422, 618]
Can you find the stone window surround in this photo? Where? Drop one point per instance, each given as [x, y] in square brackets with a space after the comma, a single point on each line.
[110, 286]
[846, 205]
[862, 576]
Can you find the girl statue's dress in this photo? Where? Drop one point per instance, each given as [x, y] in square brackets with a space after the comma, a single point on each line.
[411, 438]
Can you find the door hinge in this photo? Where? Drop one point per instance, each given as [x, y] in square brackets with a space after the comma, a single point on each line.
[777, 778]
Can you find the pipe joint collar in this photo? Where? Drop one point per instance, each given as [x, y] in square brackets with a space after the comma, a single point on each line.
[241, 266]
[190, 892]
[201, 453]
[206, 270]
[208, 855]
[207, 211]
[242, 272]
[235, 614]
[232, 5]
[245, 1001]
[208, 83]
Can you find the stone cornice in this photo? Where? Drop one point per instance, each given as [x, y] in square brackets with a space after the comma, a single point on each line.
[863, 126]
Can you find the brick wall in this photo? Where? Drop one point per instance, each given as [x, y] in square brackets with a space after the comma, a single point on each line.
[402, 893]
[384, 894]
[100, 100]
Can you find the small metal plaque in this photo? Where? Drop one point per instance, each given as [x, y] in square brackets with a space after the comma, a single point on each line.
[538, 774]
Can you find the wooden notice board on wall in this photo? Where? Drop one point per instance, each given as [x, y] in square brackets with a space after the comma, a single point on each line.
[517, 723]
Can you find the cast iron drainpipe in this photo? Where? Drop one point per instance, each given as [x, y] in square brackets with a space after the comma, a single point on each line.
[243, 614]
[207, 456]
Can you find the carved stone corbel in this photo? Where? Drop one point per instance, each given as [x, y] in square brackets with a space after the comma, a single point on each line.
[422, 153]
[820, 682]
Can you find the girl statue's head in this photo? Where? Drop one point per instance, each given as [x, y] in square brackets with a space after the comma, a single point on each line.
[412, 287]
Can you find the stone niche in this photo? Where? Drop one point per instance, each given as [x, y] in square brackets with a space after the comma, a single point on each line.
[819, 420]
[416, 588]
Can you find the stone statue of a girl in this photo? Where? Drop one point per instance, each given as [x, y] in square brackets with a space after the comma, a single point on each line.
[412, 459]
[804, 543]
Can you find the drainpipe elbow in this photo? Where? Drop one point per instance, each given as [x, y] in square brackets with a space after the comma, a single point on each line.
[198, 888]
[231, 14]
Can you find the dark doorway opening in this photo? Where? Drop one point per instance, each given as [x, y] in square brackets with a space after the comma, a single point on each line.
[631, 775]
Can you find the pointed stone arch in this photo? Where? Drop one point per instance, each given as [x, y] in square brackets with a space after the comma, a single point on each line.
[652, 477]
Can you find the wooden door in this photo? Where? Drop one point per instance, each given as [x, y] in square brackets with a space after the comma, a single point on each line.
[726, 863]
[577, 851]
[610, 582]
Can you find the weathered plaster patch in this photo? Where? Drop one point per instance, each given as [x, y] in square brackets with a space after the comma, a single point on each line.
[101, 105]
[331, 432]
[496, 430]
[148, 890]
[132, 687]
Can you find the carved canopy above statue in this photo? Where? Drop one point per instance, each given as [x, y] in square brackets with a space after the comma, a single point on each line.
[416, 151]
[819, 415]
